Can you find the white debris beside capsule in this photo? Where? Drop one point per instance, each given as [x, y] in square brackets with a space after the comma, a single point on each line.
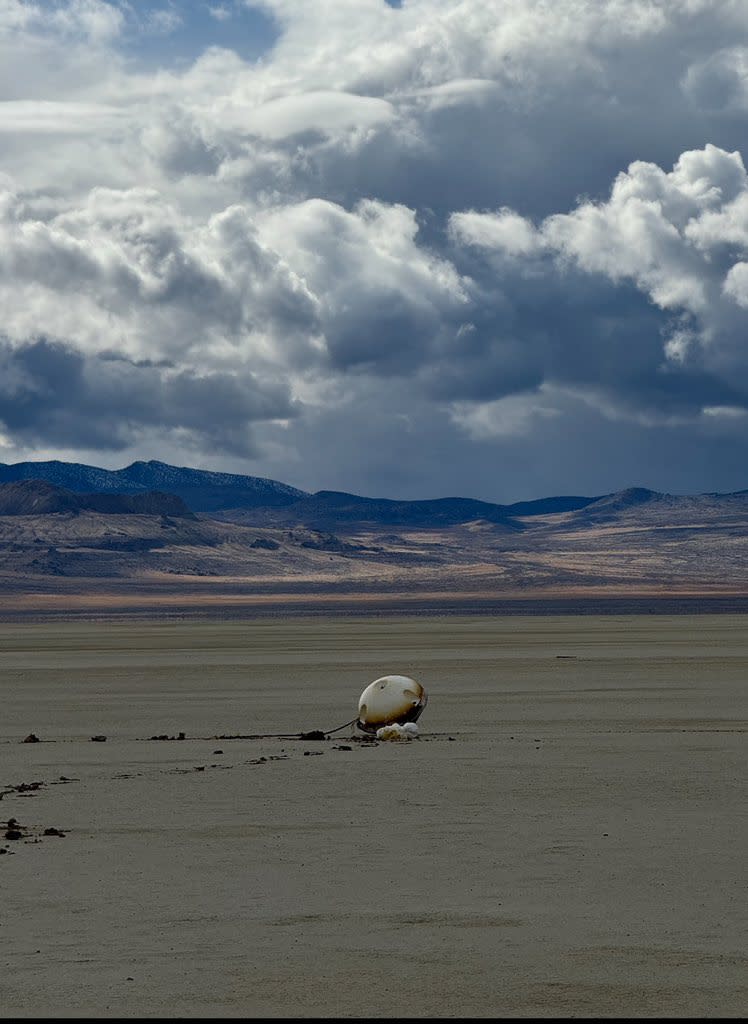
[396, 732]
[390, 700]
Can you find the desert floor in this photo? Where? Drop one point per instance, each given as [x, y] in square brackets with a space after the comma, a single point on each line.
[566, 839]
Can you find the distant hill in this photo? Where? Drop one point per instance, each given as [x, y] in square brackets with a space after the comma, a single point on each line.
[39, 497]
[638, 506]
[259, 501]
[201, 490]
[329, 510]
[611, 506]
[549, 506]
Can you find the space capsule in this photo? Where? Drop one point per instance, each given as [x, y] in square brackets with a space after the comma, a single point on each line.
[390, 700]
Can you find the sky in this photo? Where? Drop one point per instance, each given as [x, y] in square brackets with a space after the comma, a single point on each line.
[492, 248]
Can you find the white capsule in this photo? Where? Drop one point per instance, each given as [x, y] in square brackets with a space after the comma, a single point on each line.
[390, 700]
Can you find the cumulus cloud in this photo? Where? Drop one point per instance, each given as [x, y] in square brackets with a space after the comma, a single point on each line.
[719, 82]
[130, 265]
[680, 237]
[383, 299]
[506, 232]
[463, 224]
[122, 312]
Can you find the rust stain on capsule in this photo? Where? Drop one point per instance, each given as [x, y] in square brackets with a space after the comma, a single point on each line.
[390, 700]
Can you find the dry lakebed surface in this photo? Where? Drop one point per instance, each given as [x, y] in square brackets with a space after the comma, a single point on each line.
[566, 838]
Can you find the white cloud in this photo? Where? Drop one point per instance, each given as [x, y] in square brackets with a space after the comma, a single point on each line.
[163, 20]
[319, 215]
[51, 117]
[514, 416]
[680, 236]
[219, 11]
[127, 269]
[719, 82]
[382, 298]
[505, 231]
[95, 19]
[330, 113]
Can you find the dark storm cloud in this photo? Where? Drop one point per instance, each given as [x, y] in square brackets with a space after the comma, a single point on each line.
[52, 394]
[561, 326]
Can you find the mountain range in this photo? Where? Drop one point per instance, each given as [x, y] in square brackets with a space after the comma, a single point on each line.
[259, 501]
[74, 533]
[201, 490]
[38, 497]
[204, 491]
